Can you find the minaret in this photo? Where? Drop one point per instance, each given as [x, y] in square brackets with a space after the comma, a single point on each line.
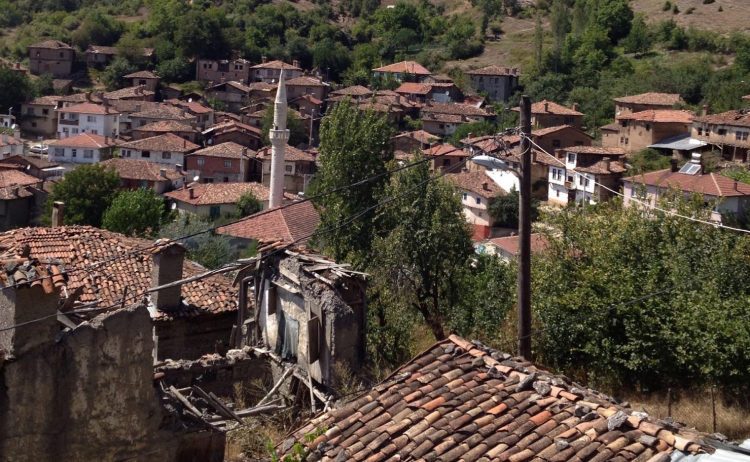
[279, 137]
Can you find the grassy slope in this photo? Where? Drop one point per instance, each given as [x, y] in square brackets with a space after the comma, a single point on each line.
[735, 14]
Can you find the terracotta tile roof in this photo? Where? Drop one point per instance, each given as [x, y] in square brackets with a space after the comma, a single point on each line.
[712, 184]
[455, 109]
[309, 98]
[412, 67]
[442, 78]
[656, 99]
[231, 126]
[131, 106]
[494, 70]
[444, 150]
[11, 142]
[222, 193]
[377, 107]
[88, 108]
[228, 150]
[476, 182]
[661, 116]
[446, 118]
[548, 130]
[85, 140]
[292, 154]
[551, 108]
[602, 167]
[193, 107]
[277, 65]
[401, 155]
[167, 126]
[462, 401]
[129, 92]
[419, 135]
[51, 44]
[746, 97]
[142, 170]
[305, 81]
[142, 75]
[539, 242]
[736, 118]
[356, 90]
[161, 111]
[595, 150]
[46, 100]
[15, 177]
[78, 246]
[233, 84]
[60, 84]
[490, 144]
[81, 98]
[613, 127]
[293, 223]
[413, 88]
[34, 161]
[167, 142]
[262, 86]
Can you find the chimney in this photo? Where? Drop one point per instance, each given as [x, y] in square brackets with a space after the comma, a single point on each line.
[88, 96]
[106, 102]
[295, 63]
[163, 172]
[546, 106]
[167, 268]
[263, 59]
[673, 164]
[706, 110]
[17, 135]
[178, 167]
[58, 214]
[485, 186]
[606, 164]
[106, 140]
[184, 144]
[191, 193]
[575, 107]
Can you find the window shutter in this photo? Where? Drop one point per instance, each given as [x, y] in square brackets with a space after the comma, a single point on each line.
[313, 339]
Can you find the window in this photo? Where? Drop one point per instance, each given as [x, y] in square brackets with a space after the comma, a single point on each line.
[622, 140]
[580, 180]
[33, 124]
[238, 67]
[479, 200]
[700, 132]
[557, 193]
[648, 127]
[90, 118]
[556, 143]
[125, 153]
[466, 196]
[308, 91]
[73, 152]
[94, 132]
[75, 131]
[623, 123]
[288, 168]
[722, 131]
[145, 154]
[62, 54]
[141, 123]
[228, 163]
[208, 180]
[215, 210]
[59, 152]
[586, 183]
[166, 155]
[30, 111]
[627, 140]
[571, 157]
[226, 179]
[480, 214]
[141, 82]
[88, 153]
[200, 160]
[738, 136]
[570, 178]
[744, 136]
[45, 111]
[143, 184]
[269, 73]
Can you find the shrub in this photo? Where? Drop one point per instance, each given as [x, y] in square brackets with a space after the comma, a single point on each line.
[720, 9]
[667, 6]
[708, 2]
[675, 10]
[690, 10]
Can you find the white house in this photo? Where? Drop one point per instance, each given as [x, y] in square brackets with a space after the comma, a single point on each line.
[168, 149]
[11, 145]
[86, 148]
[97, 119]
[579, 172]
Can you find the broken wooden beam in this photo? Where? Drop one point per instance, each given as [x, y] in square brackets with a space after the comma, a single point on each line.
[278, 384]
[185, 401]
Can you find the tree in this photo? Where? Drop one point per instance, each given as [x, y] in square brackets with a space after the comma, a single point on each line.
[639, 39]
[422, 262]
[560, 24]
[504, 209]
[247, 205]
[175, 70]
[476, 128]
[205, 248]
[354, 145]
[202, 33]
[538, 43]
[135, 213]
[97, 29]
[331, 57]
[614, 16]
[580, 18]
[294, 124]
[113, 76]
[15, 87]
[87, 192]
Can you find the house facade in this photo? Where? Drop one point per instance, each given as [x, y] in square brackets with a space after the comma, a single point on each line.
[547, 114]
[184, 131]
[442, 119]
[86, 148]
[234, 131]
[157, 112]
[168, 149]
[10, 145]
[234, 95]
[204, 115]
[210, 70]
[564, 136]
[223, 163]
[499, 82]
[136, 93]
[99, 56]
[637, 131]
[728, 131]
[305, 85]
[51, 57]
[136, 174]
[270, 71]
[411, 141]
[20, 198]
[418, 72]
[423, 92]
[478, 192]
[96, 119]
[583, 174]
[38, 116]
[644, 102]
[299, 167]
[217, 199]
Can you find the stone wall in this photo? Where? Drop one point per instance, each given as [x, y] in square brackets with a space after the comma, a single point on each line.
[192, 338]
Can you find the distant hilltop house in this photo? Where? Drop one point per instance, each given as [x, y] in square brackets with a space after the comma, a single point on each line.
[423, 92]
[400, 69]
[51, 57]
[499, 82]
[99, 56]
[211, 70]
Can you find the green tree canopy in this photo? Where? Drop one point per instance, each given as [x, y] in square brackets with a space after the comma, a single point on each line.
[15, 87]
[135, 213]
[87, 192]
[294, 124]
[639, 39]
[114, 75]
[247, 205]
[504, 209]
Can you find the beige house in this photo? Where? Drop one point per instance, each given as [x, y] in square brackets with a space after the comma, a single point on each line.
[51, 57]
[138, 93]
[548, 114]
[270, 71]
[637, 131]
[184, 131]
[209, 70]
[216, 199]
[168, 149]
[409, 141]
[38, 116]
[299, 167]
[728, 131]
[146, 79]
[402, 68]
[160, 112]
[234, 95]
[306, 85]
[499, 82]
[442, 119]
[644, 102]
[478, 192]
[204, 115]
[136, 174]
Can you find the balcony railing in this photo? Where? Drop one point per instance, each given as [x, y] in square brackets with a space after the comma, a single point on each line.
[68, 122]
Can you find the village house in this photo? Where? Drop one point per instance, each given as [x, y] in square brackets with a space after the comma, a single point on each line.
[51, 57]
[7, 120]
[507, 247]
[270, 71]
[235, 131]
[128, 107]
[478, 193]
[354, 92]
[442, 119]
[34, 166]
[146, 79]
[21, 197]
[159, 112]
[137, 93]
[410, 141]
[167, 149]
[293, 223]
[100, 56]
[548, 114]
[645, 102]
[583, 174]
[136, 173]
[209, 70]
[306, 85]
[423, 92]
[223, 163]
[62, 86]
[403, 68]
[204, 115]
[499, 82]
[85, 148]
[234, 95]
[307, 104]
[445, 156]
[10, 145]
[84, 97]
[636, 131]
[217, 199]
[261, 90]
[14, 66]
[184, 131]
[96, 119]
[563, 136]
[299, 167]
[728, 131]
[726, 195]
[38, 116]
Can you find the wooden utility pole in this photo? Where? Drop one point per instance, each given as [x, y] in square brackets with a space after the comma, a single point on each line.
[524, 235]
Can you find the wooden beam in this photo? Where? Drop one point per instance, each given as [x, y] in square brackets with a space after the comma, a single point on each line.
[278, 384]
[218, 402]
[184, 401]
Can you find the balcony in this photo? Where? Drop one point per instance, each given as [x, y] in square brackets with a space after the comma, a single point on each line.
[69, 122]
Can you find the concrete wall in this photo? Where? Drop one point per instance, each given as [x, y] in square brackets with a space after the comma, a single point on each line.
[16, 213]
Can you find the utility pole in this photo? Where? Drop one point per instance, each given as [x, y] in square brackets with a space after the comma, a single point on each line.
[524, 235]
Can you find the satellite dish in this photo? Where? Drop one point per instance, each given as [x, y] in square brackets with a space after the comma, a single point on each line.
[196, 178]
[28, 167]
[190, 100]
[174, 205]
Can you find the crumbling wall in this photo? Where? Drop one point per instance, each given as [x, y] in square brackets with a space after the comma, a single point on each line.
[89, 396]
[191, 338]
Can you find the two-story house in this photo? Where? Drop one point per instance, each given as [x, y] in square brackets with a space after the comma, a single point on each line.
[299, 167]
[441, 119]
[499, 82]
[235, 131]
[728, 131]
[416, 140]
[204, 115]
[223, 163]
[418, 72]
[445, 156]
[548, 114]
[168, 149]
[97, 119]
[135, 173]
[210, 70]
[159, 112]
[423, 92]
[646, 101]
[10, 145]
[145, 79]
[38, 116]
[306, 85]
[184, 131]
[307, 104]
[99, 56]
[85, 148]
[477, 193]
[51, 57]
[638, 130]
[270, 71]
[579, 172]
[234, 95]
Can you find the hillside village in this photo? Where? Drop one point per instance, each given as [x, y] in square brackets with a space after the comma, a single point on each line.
[296, 259]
